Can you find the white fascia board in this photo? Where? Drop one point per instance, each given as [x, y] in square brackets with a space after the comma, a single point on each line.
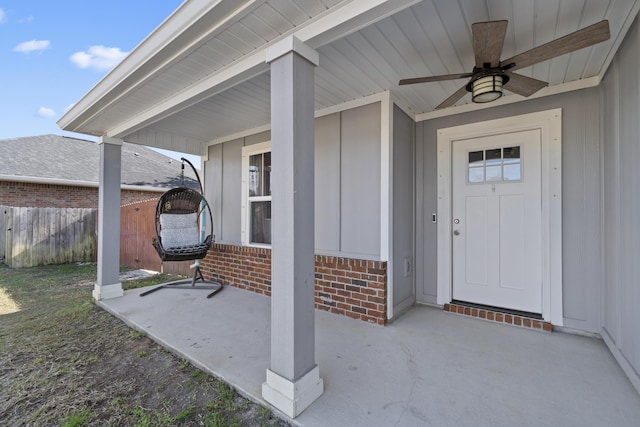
[348, 18]
[331, 25]
[348, 105]
[73, 183]
[511, 99]
[151, 53]
[242, 134]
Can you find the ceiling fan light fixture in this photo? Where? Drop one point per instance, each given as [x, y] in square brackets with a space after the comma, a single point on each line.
[487, 88]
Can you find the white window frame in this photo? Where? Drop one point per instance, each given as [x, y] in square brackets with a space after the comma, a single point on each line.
[247, 152]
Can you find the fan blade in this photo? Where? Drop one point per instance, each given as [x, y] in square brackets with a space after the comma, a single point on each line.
[453, 98]
[523, 85]
[585, 37]
[434, 78]
[488, 38]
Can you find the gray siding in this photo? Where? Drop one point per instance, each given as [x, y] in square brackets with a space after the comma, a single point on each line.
[327, 183]
[213, 188]
[360, 181]
[231, 188]
[621, 206]
[403, 191]
[426, 205]
[347, 183]
[580, 191]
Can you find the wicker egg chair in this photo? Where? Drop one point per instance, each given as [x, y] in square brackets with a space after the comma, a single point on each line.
[180, 224]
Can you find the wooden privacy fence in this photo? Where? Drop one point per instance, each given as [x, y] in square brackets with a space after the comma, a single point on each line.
[137, 229]
[40, 236]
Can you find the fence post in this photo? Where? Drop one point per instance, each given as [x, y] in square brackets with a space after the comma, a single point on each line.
[3, 232]
[8, 245]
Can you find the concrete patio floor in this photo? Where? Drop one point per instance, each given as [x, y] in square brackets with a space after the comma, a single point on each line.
[428, 368]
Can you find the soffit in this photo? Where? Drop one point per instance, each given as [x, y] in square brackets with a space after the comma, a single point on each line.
[431, 37]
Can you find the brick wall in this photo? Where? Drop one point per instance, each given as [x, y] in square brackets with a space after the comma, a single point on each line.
[24, 194]
[345, 286]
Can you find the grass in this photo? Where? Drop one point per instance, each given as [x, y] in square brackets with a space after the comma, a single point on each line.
[65, 362]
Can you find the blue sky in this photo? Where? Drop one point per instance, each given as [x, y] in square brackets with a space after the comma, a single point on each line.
[52, 52]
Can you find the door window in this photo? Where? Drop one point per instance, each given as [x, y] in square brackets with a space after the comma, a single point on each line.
[494, 165]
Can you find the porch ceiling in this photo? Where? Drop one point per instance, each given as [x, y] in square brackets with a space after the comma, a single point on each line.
[201, 75]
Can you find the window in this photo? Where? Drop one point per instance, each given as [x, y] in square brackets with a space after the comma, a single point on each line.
[256, 194]
[494, 165]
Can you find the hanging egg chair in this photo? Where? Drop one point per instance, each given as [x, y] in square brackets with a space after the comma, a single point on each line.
[181, 219]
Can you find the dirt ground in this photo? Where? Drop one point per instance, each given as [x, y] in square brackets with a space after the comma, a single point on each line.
[66, 362]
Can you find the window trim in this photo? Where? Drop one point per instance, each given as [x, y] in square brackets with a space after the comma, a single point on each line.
[247, 152]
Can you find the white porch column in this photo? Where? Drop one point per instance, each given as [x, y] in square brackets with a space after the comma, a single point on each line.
[293, 380]
[108, 282]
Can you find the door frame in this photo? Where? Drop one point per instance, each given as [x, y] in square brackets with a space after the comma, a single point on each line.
[550, 125]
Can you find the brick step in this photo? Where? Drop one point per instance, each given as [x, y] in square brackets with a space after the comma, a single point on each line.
[499, 317]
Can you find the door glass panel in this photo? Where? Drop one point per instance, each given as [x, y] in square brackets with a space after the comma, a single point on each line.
[494, 156]
[494, 173]
[476, 174]
[476, 157]
[512, 172]
[511, 155]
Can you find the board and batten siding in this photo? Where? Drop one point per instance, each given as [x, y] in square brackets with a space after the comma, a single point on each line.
[403, 211]
[347, 183]
[620, 105]
[581, 195]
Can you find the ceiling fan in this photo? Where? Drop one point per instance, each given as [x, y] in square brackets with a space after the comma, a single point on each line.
[490, 75]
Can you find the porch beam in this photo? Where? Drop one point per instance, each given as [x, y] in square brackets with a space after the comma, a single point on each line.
[293, 380]
[108, 279]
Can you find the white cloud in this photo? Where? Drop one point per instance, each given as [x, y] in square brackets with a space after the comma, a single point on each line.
[27, 20]
[98, 57]
[46, 112]
[32, 45]
[3, 16]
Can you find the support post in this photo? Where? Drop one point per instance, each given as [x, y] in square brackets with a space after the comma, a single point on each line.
[108, 281]
[293, 380]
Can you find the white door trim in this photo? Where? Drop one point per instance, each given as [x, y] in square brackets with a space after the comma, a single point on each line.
[550, 125]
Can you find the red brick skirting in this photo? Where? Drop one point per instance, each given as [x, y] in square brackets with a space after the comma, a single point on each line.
[349, 287]
[497, 316]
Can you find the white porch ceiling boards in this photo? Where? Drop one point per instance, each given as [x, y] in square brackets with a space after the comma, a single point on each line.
[365, 48]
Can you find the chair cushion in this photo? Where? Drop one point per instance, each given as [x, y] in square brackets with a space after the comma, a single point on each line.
[179, 230]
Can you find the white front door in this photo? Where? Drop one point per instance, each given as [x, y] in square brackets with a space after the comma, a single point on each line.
[497, 220]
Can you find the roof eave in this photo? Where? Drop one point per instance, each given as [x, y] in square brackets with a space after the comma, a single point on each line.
[178, 33]
[77, 183]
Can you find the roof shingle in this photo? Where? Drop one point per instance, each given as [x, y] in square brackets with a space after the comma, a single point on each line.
[49, 157]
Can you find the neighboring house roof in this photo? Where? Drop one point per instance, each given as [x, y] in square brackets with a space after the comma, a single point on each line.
[72, 161]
